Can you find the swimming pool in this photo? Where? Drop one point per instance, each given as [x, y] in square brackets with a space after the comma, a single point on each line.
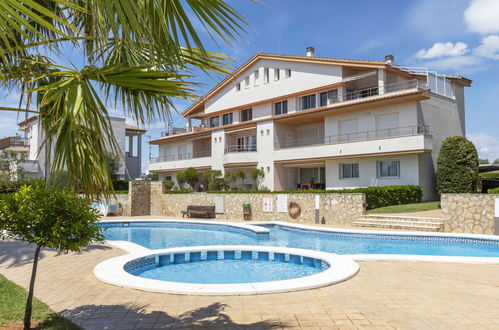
[226, 270]
[164, 234]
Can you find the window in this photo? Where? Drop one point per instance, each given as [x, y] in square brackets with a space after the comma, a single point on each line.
[266, 75]
[246, 143]
[277, 75]
[214, 121]
[246, 114]
[168, 178]
[281, 107]
[389, 169]
[331, 95]
[247, 82]
[349, 171]
[238, 87]
[288, 73]
[307, 102]
[227, 118]
[257, 77]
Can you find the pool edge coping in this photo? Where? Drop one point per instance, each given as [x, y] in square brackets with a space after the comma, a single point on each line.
[341, 268]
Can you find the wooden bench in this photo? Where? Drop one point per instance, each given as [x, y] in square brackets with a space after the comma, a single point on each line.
[199, 211]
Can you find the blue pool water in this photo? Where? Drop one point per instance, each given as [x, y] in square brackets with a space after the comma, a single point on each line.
[158, 236]
[229, 271]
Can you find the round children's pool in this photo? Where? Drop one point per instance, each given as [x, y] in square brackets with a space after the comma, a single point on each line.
[227, 270]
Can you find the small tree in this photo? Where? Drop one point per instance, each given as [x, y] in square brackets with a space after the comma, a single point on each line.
[190, 176]
[483, 161]
[10, 170]
[228, 178]
[54, 218]
[457, 166]
[257, 175]
[113, 164]
[496, 161]
[212, 178]
[241, 174]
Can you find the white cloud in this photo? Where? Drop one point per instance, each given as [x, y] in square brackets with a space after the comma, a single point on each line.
[486, 144]
[441, 49]
[482, 16]
[489, 47]
[455, 63]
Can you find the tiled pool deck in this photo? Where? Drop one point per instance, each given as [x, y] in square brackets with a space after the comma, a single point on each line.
[384, 295]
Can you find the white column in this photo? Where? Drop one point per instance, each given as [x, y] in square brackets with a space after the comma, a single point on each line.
[381, 81]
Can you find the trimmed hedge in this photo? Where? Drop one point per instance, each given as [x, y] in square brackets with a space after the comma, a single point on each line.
[375, 196]
[120, 185]
[177, 191]
[493, 191]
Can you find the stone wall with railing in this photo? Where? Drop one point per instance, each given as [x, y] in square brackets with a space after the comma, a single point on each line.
[147, 198]
[469, 213]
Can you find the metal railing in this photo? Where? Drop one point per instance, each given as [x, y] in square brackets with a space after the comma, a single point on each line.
[240, 148]
[181, 130]
[13, 141]
[377, 90]
[356, 137]
[183, 156]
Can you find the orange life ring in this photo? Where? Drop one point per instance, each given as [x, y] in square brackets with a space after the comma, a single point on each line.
[294, 209]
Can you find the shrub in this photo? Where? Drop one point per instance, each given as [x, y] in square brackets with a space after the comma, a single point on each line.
[375, 196]
[457, 166]
[8, 186]
[494, 191]
[169, 184]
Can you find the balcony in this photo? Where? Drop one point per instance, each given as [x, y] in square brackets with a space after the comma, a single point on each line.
[356, 137]
[183, 130]
[240, 148]
[185, 156]
[13, 141]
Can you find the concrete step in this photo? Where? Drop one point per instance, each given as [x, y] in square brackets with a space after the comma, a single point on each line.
[395, 225]
[400, 222]
[401, 217]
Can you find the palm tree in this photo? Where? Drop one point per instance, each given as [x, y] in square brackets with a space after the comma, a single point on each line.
[137, 55]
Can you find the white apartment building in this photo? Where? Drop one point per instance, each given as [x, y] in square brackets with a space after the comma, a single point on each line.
[312, 122]
[29, 149]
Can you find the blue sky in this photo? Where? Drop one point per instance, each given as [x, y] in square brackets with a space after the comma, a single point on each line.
[456, 36]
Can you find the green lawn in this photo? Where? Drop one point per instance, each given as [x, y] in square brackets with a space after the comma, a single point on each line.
[406, 208]
[12, 302]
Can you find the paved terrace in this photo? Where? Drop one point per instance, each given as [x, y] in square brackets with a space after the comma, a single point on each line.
[384, 295]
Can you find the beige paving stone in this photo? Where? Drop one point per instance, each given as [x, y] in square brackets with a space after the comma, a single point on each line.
[384, 295]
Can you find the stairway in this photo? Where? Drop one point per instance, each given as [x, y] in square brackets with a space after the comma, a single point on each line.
[399, 222]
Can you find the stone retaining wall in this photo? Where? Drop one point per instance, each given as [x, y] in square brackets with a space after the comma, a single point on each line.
[468, 213]
[335, 208]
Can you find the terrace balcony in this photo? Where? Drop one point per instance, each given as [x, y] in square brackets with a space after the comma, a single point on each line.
[401, 140]
[355, 137]
[14, 143]
[184, 156]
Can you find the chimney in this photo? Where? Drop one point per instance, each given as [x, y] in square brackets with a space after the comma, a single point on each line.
[389, 59]
[310, 51]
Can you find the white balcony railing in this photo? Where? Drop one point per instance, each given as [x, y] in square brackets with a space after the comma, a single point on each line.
[240, 148]
[356, 137]
[377, 90]
[183, 156]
